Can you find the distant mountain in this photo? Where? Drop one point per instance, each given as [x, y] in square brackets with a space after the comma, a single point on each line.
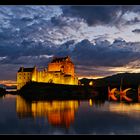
[3, 86]
[124, 79]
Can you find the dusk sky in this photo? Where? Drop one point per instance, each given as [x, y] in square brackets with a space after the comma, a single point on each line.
[101, 40]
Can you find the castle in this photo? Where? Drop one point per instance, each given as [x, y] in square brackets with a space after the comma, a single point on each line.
[59, 71]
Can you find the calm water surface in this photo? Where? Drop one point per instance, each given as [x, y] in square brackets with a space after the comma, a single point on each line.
[18, 116]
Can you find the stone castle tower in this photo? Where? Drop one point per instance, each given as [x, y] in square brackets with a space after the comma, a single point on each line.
[64, 65]
[59, 71]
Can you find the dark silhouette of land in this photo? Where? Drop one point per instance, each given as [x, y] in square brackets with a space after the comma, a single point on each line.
[99, 89]
[2, 92]
[126, 79]
[123, 80]
[41, 91]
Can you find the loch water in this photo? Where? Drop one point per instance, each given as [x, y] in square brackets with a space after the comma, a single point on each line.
[19, 116]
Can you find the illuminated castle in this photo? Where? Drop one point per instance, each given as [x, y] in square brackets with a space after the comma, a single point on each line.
[59, 71]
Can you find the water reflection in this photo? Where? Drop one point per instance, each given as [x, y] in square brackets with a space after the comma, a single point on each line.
[58, 113]
[96, 103]
[2, 96]
[69, 117]
[132, 109]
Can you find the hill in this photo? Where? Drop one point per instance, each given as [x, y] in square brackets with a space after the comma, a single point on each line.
[124, 79]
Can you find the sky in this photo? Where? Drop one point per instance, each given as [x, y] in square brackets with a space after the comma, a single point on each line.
[101, 40]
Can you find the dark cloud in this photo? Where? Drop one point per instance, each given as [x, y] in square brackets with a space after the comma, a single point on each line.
[103, 53]
[27, 23]
[92, 71]
[84, 54]
[30, 35]
[136, 31]
[94, 15]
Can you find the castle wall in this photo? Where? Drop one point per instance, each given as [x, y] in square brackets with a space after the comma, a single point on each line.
[34, 75]
[54, 66]
[75, 80]
[48, 77]
[66, 67]
[41, 75]
[23, 78]
[54, 77]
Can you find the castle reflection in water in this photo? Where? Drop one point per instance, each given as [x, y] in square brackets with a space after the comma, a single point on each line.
[58, 113]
